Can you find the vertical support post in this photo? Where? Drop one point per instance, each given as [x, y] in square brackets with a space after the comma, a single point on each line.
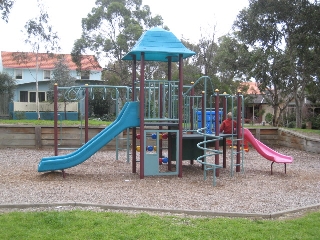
[141, 96]
[180, 111]
[161, 97]
[224, 106]
[191, 103]
[86, 115]
[55, 117]
[170, 114]
[203, 110]
[37, 133]
[224, 116]
[169, 68]
[170, 108]
[203, 117]
[239, 132]
[134, 130]
[217, 132]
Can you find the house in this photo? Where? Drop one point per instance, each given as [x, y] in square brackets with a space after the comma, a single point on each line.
[22, 67]
[256, 106]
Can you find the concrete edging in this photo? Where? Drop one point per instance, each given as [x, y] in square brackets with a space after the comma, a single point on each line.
[202, 213]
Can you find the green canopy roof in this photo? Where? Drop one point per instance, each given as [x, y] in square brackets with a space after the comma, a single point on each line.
[158, 44]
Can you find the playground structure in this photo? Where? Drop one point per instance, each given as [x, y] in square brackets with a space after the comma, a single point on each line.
[82, 94]
[159, 108]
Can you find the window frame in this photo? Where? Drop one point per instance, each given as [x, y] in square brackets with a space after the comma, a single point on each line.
[17, 76]
[39, 93]
[31, 95]
[44, 74]
[25, 96]
[85, 75]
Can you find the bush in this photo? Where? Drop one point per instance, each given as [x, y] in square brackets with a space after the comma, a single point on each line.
[291, 124]
[315, 122]
[20, 115]
[269, 118]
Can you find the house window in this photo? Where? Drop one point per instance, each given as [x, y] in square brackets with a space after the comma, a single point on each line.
[47, 74]
[85, 75]
[23, 96]
[41, 95]
[18, 73]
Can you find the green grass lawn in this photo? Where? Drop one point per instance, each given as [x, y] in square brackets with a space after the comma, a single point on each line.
[109, 225]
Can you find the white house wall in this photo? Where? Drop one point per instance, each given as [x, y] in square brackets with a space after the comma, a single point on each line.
[44, 107]
[267, 109]
[29, 75]
[94, 75]
[28, 82]
[30, 87]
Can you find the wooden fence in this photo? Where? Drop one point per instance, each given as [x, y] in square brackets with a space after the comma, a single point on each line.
[24, 136]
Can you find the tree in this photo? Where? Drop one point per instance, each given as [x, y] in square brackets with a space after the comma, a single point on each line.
[7, 86]
[305, 52]
[233, 62]
[276, 31]
[110, 31]
[5, 7]
[313, 91]
[40, 36]
[62, 77]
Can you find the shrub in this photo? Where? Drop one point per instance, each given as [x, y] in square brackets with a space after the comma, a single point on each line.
[20, 115]
[315, 121]
[291, 124]
[269, 118]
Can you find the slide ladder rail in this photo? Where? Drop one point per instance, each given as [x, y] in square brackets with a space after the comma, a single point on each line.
[207, 166]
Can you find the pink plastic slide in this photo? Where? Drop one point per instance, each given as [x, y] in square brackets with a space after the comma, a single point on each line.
[264, 150]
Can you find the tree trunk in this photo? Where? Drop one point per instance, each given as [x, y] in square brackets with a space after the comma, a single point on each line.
[37, 85]
[299, 104]
[275, 119]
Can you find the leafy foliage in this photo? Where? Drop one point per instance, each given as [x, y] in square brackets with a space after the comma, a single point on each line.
[7, 85]
[269, 118]
[110, 31]
[100, 104]
[5, 7]
[285, 48]
[62, 77]
[39, 33]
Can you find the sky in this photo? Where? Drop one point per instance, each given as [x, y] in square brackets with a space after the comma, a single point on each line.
[186, 19]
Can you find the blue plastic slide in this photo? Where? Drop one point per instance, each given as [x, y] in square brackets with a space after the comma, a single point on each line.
[128, 117]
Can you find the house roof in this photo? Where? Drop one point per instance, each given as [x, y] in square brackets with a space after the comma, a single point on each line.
[158, 44]
[46, 61]
[254, 96]
[252, 87]
[257, 99]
